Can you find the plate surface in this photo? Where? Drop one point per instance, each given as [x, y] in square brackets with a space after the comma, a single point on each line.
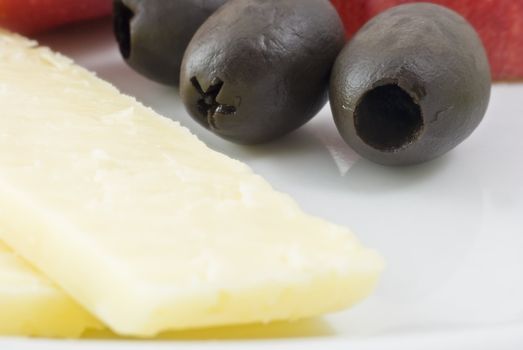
[450, 230]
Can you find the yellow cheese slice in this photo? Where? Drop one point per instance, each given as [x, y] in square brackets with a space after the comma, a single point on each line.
[31, 305]
[145, 226]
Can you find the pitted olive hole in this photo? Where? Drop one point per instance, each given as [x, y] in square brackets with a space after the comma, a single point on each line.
[122, 27]
[387, 118]
[207, 105]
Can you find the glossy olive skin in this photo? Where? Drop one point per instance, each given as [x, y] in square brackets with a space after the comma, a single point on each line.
[412, 84]
[153, 34]
[258, 69]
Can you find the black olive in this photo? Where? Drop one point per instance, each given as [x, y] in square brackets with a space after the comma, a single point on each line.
[153, 34]
[412, 84]
[256, 70]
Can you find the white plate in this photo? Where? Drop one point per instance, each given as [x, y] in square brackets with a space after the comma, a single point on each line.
[450, 230]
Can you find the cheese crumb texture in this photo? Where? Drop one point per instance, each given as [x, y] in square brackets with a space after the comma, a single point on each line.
[145, 226]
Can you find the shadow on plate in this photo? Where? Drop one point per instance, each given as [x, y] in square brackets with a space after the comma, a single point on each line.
[369, 177]
[312, 328]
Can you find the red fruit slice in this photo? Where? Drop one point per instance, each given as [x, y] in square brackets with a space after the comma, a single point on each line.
[31, 16]
[498, 22]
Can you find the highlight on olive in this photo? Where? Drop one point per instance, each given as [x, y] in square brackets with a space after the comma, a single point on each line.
[257, 70]
[411, 85]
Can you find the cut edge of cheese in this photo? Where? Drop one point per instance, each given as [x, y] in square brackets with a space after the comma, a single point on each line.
[30, 305]
[131, 302]
[299, 299]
